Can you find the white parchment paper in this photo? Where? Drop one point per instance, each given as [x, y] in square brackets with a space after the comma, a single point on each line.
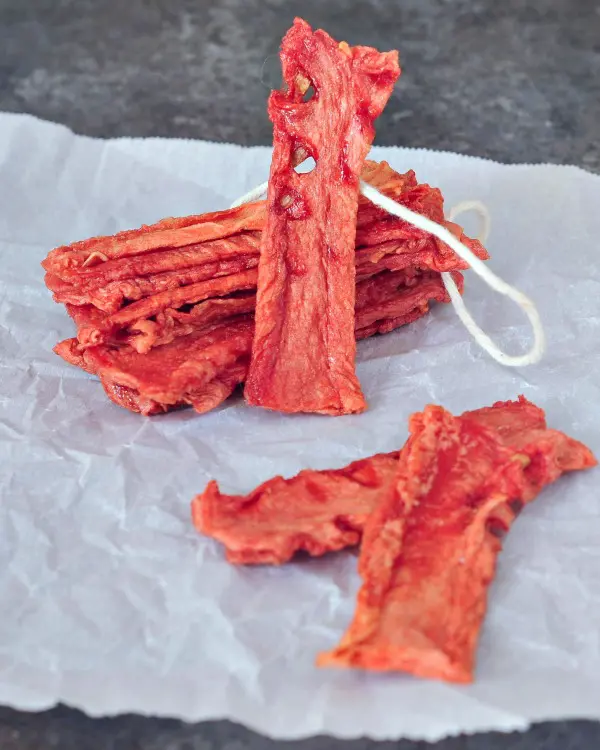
[111, 602]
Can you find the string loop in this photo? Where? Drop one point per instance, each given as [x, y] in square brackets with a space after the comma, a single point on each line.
[480, 209]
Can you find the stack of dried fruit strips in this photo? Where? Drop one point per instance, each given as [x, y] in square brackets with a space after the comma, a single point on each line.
[165, 314]
[431, 519]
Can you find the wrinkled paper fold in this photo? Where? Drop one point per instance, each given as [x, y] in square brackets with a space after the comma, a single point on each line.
[110, 600]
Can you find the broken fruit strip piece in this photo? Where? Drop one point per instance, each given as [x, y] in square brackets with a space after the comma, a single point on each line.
[429, 551]
[418, 197]
[130, 399]
[303, 355]
[172, 233]
[381, 176]
[171, 374]
[315, 511]
[73, 354]
[121, 395]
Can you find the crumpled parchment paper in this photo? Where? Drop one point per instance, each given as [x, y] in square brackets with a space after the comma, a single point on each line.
[110, 600]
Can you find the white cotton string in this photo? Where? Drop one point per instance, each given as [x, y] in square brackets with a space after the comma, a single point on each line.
[253, 195]
[477, 265]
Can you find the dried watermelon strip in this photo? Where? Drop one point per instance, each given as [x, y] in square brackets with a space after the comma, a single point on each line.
[429, 551]
[200, 370]
[180, 372]
[109, 293]
[384, 301]
[132, 314]
[164, 259]
[315, 511]
[67, 262]
[304, 347]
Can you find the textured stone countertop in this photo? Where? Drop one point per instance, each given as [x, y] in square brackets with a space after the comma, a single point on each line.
[512, 80]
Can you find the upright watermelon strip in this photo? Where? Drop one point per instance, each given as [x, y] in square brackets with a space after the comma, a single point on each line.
[303, 354]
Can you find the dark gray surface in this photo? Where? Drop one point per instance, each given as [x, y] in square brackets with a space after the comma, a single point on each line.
[515, 80]
[62, 728]
[508, 79]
